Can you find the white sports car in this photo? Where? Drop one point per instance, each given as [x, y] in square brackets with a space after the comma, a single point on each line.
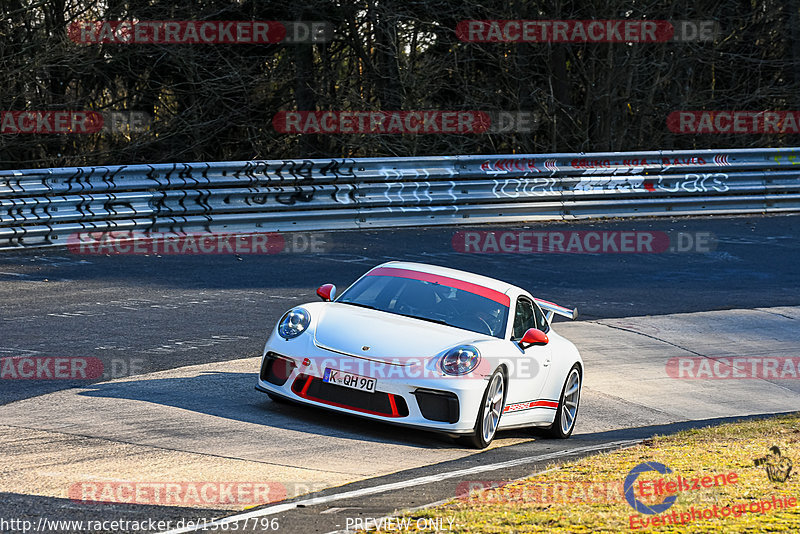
[428, 347]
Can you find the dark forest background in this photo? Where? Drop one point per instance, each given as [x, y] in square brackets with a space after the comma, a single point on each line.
[216, 102]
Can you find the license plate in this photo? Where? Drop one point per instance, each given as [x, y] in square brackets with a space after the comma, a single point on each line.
[349, 380]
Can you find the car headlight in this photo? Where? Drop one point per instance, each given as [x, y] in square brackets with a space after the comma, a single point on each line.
[461, 360]
[294, 323]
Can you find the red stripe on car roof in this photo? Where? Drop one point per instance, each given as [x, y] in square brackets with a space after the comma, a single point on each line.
[492, 294]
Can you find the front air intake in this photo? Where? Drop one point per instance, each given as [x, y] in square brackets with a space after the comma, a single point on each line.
[276, 369]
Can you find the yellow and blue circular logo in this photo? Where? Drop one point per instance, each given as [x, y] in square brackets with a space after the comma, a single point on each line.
[639, 506]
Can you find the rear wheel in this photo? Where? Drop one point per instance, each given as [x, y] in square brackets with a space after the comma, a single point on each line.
[567, 410]
[494, 399]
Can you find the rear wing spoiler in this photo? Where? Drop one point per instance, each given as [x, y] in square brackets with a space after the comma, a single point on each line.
[551, 308]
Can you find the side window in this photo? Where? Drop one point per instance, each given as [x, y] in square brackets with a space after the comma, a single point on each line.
[524, 318]
[541, 320]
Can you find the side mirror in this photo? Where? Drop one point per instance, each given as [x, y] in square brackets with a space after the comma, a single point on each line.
[327, 292]
[533, 336]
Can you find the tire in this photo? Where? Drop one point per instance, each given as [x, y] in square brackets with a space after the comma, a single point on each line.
[489, 413]
[567, 411]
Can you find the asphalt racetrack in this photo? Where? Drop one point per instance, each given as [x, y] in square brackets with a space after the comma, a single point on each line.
[175, 341]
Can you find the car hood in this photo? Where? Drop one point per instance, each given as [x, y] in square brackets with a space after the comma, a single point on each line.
[390, 337]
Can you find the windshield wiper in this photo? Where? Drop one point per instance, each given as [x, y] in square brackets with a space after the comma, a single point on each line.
[358, 304]
[437, 321]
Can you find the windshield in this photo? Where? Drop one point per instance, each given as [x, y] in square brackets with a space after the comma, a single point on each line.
[430, 301]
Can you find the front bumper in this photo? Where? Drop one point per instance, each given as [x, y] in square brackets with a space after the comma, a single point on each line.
[433, 402]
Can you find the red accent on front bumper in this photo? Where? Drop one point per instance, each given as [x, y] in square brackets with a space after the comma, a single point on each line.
[302, 383]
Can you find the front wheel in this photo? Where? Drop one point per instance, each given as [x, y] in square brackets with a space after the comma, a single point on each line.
[494, 399]
[567, 410]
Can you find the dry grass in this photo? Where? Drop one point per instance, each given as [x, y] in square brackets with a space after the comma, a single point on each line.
[587, 495]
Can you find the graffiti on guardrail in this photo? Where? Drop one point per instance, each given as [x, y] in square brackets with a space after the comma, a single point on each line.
[296, 169]
[525, 166]
[516, 187]
[791, 158]
[687, 183]
[695, 183]
[503, 166]
[610, 183]
[343, 167]
[43, 207]
[593, 166]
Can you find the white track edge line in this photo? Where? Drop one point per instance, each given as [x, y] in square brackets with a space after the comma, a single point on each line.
[434, 504]
[394, 485]
[445, 501]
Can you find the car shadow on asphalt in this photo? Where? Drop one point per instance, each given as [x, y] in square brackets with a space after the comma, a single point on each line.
[231, 395]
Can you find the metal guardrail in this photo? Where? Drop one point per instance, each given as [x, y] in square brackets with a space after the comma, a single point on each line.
[43, 207]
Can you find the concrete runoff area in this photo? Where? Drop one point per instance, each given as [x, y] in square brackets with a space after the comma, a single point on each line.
[206, 423]
[143, 314]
